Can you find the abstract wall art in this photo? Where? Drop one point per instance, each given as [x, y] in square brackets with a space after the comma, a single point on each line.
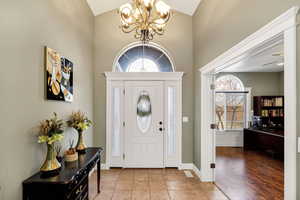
[59, 77]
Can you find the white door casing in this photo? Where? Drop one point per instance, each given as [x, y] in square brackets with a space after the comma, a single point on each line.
[144, 141]
[169, 85]
[284, 26]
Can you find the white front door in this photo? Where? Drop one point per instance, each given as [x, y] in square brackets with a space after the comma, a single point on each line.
[144, 132]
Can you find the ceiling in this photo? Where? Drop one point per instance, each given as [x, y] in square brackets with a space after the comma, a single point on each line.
[101, 6]
[263, 59]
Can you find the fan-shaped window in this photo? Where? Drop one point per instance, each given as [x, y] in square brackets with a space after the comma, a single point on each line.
[144, 58]
[229, 83]
[230, 103]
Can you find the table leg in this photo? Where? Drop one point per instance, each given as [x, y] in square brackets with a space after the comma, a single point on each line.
[98, 175]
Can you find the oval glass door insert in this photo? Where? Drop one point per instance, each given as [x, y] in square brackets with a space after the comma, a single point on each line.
[144, 112]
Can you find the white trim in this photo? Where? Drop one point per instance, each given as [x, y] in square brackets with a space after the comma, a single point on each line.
[186, 166]
[197, 172]
[191, 166]
[284, 25]
[104, 166]
[290, 115]
[144, 76]
[108, 127]
[150, 44]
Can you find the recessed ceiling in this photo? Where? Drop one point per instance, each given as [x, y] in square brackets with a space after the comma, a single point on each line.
[101, 6]
[269, 59]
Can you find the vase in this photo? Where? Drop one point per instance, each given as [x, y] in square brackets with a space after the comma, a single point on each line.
[51, 165]
[80, 147]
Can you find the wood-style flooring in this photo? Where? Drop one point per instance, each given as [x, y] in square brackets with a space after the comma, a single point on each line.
[249, 175]
[153, 184]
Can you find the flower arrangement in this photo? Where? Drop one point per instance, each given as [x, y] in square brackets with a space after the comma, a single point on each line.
[51, 130]
[79, 121]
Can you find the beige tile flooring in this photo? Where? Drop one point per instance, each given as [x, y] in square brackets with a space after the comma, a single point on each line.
[154, 184]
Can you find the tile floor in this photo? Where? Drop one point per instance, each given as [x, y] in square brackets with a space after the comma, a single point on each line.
[154, 184]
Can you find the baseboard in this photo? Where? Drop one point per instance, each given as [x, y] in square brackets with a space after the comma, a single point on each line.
[104, 166]
[197, 171]
[186, 166]
[190, 166]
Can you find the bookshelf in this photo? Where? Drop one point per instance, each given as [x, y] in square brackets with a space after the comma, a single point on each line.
[271, 108]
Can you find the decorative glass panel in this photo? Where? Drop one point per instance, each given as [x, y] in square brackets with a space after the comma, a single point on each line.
[144, 111]
[144, 59]
[229, 83]
[171, 120]
[116, 119]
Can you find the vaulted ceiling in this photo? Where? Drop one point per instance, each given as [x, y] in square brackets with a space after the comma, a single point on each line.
[101, 6]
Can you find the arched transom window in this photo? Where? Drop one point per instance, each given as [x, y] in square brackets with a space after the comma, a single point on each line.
[144, 58]
[229, 83]
[230, 103]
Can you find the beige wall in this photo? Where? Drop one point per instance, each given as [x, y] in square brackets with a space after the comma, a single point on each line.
[218, 26]
[26, 27]
[109, 40]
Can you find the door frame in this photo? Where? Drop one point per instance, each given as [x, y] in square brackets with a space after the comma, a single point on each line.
[283, 26]
[140, 76]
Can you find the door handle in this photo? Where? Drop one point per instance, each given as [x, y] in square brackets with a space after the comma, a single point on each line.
[160, 123]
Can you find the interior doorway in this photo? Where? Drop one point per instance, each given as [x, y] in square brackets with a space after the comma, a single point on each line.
[249, 108]
[283, 26]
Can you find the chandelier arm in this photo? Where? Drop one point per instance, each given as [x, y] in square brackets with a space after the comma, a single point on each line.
[130, 30]
[124, 20]
[156, 31]
[139, 9]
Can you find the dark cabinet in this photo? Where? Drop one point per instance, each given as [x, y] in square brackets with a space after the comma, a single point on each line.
[72, 182]
[269, 141]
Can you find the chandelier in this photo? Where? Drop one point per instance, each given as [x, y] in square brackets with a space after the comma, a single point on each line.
[144, 17]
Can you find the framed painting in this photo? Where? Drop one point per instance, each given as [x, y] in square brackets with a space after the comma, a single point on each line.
[59, 77]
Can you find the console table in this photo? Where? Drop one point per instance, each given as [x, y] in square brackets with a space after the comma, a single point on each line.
[70, 184]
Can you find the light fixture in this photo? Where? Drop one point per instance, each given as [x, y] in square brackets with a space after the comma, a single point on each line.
[144, 17]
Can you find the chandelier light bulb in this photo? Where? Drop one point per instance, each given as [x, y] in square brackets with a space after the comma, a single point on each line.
[162, 8]
[148, 4]
[126, 9]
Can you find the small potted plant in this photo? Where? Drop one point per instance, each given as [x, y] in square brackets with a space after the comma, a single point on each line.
[80, 122]
[71, 155]
[51, 131]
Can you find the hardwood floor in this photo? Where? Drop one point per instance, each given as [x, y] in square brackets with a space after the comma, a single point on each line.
[154, 184]
[249, 175]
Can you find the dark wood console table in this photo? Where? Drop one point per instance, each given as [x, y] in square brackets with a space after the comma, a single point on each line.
[70, 184]
[270, 141]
